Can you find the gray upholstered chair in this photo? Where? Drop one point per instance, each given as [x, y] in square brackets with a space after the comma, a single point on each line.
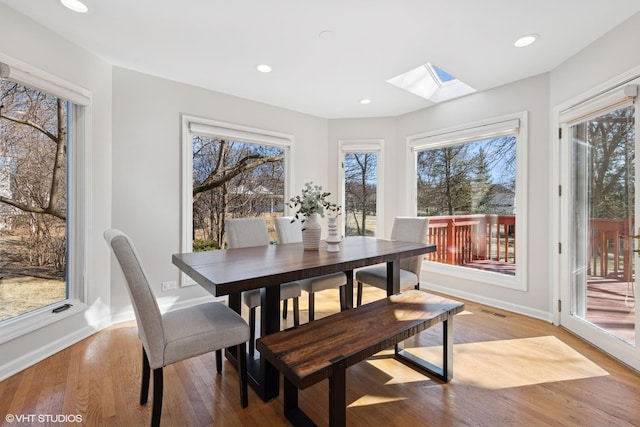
[290, 232]
[176, 335]
[248, 232]
[407, 229]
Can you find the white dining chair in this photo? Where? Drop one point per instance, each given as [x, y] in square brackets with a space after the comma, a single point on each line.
[404, 228]
[290, 232]
[248, 232]
[178, 334]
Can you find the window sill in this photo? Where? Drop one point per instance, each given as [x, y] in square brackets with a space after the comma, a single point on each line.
[16, 327]
[485, 277]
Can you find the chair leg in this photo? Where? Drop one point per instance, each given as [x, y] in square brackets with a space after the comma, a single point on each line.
[359, 294]
[343, 297]
[285, 308]
[296, 311]
[219, 361]
[242, 373]
[312, 306]
[146, 373]
[157, 397]
[252, 331]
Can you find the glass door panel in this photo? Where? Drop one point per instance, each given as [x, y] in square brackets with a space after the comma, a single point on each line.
[602, 223]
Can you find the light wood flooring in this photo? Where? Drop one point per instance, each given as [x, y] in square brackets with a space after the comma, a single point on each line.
[509, 370]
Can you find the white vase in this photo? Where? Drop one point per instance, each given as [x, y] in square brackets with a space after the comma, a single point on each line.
[311, 230]
[334, 239]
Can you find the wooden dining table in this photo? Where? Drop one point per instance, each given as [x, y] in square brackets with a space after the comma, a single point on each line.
[232, 271]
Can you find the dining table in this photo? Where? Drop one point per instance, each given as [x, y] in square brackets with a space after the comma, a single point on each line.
[229, 272]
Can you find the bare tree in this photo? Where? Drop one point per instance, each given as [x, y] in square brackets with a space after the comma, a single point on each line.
[37, 123]
[232, 178]
[360, 188]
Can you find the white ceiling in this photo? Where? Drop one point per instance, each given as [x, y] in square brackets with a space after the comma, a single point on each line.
[216, 44]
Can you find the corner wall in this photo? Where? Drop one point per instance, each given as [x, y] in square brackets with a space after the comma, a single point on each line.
[29, 43]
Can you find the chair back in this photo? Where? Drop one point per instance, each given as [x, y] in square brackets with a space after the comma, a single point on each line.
[287, 231]
[145, 306]
[411, 229]
[246, 232]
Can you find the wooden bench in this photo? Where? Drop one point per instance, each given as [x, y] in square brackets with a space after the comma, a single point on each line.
[324, 348]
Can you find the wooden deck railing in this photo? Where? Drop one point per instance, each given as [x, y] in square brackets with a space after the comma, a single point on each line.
[610, 248]
[464, 238]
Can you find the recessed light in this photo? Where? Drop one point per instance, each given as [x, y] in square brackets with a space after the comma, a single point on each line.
[75, 5]
[525, 40]
[264, 68]
[365, 101]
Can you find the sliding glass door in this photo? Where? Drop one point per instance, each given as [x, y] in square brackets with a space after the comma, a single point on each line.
[598, 290]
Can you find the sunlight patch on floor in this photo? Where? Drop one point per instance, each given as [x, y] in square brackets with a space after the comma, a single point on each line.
[499, 364]
[398, 372]
[374, 400]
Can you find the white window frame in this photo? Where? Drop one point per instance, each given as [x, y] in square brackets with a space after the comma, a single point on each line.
[485, 129]
[193, 125]
[78, 199]
[376, 146]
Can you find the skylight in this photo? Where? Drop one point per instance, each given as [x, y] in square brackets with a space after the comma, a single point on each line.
[432, 83]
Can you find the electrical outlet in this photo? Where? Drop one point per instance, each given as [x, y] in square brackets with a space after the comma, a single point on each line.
[168, 286]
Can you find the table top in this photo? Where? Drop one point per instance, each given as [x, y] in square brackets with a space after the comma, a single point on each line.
[227, 271]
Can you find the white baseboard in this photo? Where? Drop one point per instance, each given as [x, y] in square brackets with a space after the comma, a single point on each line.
[519, 309]
[47, 350]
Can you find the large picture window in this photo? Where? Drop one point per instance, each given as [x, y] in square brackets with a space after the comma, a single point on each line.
[468, 183]
[230, 171]
[41, 226]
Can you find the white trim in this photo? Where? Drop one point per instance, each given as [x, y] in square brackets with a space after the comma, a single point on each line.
[79, 244]
[483, 299]
[605, 97]
[484, 129]
[594, 107]
[517, 124]
[48, 349]
[24, 73]
[375, 145]
[193, 125]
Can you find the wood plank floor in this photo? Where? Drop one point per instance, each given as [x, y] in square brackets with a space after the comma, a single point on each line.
[509, 370]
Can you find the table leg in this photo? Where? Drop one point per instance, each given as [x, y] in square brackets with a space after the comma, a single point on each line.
[231, 353]
[393, 277]
[269, 323]
[349, 289]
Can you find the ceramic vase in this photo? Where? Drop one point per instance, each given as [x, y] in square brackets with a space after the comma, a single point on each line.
[334, 239]
[311, 230]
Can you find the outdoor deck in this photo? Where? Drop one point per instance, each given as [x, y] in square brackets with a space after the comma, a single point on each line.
[487, 242]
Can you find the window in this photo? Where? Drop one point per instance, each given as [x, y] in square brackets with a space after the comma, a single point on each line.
[469, 183]
[230, 171]
[361, 177]
[41, 198]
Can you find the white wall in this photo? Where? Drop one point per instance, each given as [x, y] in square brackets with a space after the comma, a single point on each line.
[608, 57]
[25, 42]
[147, 173]
[531, 95]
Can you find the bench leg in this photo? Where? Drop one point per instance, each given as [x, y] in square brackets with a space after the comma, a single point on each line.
[292, 411]
[338, 393]
[444, 373]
